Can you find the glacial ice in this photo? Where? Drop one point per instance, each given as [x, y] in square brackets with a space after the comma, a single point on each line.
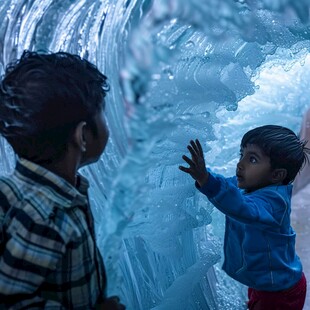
[178, 69]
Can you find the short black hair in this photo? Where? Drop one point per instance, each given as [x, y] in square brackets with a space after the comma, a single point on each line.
[281, 145]
[43, 96]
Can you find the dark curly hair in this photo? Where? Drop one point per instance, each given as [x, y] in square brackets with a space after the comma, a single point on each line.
[282, 146]
[43, 96]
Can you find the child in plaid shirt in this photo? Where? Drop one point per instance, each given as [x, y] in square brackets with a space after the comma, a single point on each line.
[52, 114]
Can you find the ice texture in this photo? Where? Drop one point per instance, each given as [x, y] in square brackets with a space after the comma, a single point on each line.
[178, 70]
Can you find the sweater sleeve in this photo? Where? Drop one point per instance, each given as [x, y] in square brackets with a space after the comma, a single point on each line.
[263, 207]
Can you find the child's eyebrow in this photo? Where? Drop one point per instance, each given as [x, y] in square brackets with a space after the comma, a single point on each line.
[254, 154]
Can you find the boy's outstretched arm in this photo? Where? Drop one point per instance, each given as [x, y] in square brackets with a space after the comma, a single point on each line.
[197, 167]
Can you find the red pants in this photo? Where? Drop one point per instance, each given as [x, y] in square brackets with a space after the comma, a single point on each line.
[290, 299]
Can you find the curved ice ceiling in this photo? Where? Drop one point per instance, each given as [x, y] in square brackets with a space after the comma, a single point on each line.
[178, 70]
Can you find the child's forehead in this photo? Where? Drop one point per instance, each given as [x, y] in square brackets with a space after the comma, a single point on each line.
[253, 148]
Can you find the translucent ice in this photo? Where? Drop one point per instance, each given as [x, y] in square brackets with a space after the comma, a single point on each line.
[178, 69]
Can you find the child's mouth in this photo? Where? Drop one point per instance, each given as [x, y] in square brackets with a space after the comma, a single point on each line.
[239, 178]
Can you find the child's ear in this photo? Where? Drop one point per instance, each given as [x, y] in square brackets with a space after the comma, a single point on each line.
[278, 175]
[79, 136]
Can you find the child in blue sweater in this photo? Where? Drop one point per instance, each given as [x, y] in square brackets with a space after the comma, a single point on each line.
[259, 244]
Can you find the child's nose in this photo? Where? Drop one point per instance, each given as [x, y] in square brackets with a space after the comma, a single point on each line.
[239, 165]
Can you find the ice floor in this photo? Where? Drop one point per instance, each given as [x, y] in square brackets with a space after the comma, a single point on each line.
[301, 224]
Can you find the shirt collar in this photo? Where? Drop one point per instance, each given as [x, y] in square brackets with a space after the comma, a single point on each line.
[60, 190]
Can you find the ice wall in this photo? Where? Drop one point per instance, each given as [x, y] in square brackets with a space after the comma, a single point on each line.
[178, 70]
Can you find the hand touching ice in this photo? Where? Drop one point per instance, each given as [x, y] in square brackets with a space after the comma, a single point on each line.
[197, 167]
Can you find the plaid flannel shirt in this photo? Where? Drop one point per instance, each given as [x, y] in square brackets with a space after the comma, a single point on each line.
[48, 253]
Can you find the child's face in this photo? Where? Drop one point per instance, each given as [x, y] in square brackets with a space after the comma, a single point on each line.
[253, 169]
[96, 145]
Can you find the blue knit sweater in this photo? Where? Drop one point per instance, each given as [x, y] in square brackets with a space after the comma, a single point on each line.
[259, 245]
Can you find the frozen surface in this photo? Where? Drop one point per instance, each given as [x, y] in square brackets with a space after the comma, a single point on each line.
[178, 70]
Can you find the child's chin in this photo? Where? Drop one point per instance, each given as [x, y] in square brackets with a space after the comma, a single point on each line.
[240, 185]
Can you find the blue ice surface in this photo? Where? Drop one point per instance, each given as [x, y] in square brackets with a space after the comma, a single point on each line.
[178, 69]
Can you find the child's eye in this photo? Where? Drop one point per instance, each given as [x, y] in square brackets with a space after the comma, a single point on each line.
[240, 155]
[253, 160]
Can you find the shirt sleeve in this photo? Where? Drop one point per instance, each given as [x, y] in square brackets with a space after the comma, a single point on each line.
[257, 208]
[31, 251]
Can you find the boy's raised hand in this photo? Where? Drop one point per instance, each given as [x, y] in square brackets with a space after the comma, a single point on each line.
[197, 167]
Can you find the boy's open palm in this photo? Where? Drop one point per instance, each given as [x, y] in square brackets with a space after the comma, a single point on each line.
[197, 167]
